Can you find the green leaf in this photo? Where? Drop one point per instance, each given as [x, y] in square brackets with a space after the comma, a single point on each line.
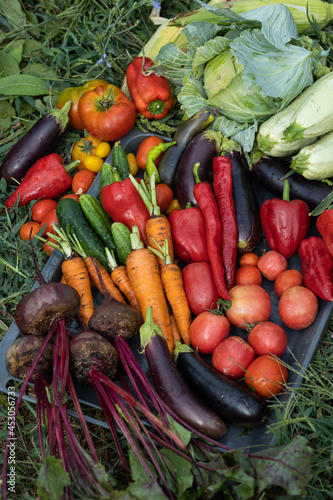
[15, 49]
[31, 48]
[7, 112]
[184, 476]
[8, 65]
[192, 97]
[38, 69]
[52, 479]
[23, 85]
[13, 13]
[208, 51]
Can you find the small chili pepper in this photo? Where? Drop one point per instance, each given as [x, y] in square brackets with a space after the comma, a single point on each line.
[317, 266]
[123, 203]
[153, 154]
[151, 93]
[205, 198]
[285, 223]
[324, 225]
[189, 234]
[47, 178]
[222, 186]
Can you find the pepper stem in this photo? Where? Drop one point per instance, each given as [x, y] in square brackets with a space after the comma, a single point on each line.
[196, 167]
[156, 107]
[286, 189]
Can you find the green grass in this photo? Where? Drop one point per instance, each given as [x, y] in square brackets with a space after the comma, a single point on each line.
[63, 41]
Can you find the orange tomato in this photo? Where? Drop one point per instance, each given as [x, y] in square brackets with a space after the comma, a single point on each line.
[266, 375]
[86, 146]
[49, 219]
[144, 148]
[247, 275]
[82, 181]
[71, 195]
[249, 258]
[29, 228]
[41, 208]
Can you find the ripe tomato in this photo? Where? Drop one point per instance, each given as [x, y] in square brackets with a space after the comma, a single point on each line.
[106, 112]
[49, 219]
[200, 288]
[271, 264]
[298, 307]
[144, 148]
[164, 196]
[248, 274]
[266, 375]
[103, 149]
[73, 94]
[287, 279]
[268, 338]
[41, 208]
[71, 195]
[249, 304]
[82, 181]
[249, 258]
[208, 330]
[232, 356]
[86, 146]
[93, 163]
[29, 228]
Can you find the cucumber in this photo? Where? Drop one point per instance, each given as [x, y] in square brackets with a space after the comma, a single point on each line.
[122, 241]
[120, 161]
[72, 220]
[98, 219]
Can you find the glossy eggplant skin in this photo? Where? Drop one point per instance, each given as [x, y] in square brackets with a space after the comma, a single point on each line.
[232, 401]
[270, 171]
[186, 132]
[39, 141]
[246, 203]
[202, 149]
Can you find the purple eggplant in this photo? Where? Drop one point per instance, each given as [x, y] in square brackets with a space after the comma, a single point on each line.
[202, 149]
[39, 141]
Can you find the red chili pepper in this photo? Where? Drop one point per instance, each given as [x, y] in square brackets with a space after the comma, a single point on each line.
[324, 225]
[205, 198]
[189, 234]
[222, 186]
[123, 203]
[47, 178]
[285, 223]
[317, 266]
[151, 93]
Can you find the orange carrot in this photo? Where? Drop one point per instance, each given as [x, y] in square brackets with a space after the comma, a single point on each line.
[63, 280]
[145, 279]
[120, 278]
[175, 331]
[172, 281]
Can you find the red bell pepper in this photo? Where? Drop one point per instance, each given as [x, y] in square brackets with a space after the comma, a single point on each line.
[317, 266]
[123, 203]
[324, 225]
[47, 178]
[285, 223]
[151, 93]
[189, 234]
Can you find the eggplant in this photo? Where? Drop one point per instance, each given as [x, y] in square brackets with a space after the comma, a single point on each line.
[269, 172]
[186, 132]
[232, 401]
[39, 141]
[245, 200]
[202, 149]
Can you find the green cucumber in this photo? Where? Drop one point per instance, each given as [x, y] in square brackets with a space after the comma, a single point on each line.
[122, 241]
[120, 161]
[98, 219]
[72, 220]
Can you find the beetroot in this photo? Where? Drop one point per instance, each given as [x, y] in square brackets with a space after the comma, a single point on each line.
[22, 353]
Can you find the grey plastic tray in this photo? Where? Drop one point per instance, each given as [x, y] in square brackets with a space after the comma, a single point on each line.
[302, 344]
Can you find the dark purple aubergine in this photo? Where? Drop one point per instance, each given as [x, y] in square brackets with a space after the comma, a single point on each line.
[246, 203]
[202, 149]
[39, 141]
[40, 309]
[269, 172]
[22, 354]
[90, 350]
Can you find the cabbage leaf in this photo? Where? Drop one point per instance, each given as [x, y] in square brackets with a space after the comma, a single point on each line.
[208, 51]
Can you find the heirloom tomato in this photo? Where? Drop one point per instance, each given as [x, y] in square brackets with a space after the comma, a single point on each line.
[249, 304]
[106, 112]
[86, 146]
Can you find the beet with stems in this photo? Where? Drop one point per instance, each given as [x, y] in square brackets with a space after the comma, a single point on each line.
[41, 308]
[22, 353]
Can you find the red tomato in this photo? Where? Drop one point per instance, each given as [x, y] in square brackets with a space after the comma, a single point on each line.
[266, 375]
[208, 330]
[271, 264]
[106, 112]
[287, 279]
[164, 196]
[248, 274]
[29, 228]
[249, 258]
[249, 304]
[49, 219]
[200, 287]
[298, 307]
[41, 208]
[144, 148]
[268, 338]
[82, 181]
[232, 356]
